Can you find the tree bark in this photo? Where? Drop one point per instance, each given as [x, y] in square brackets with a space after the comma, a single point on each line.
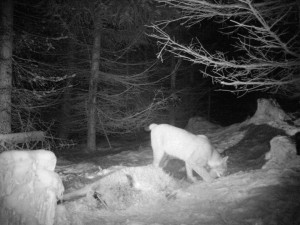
[6, 46]
[92, 100]
[65, 120]
[173, 90]
[172, 109]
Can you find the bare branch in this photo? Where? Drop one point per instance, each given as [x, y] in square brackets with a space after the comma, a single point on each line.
[266, 38]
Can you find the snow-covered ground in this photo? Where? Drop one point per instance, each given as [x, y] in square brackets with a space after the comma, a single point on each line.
[262, 185]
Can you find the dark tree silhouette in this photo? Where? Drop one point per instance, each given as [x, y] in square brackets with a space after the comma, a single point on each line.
[93, 86]
[115, 87]
[6, 48]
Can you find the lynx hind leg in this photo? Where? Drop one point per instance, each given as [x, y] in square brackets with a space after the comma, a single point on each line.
[200, 170]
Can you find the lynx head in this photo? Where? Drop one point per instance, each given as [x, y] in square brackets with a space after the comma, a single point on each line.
[219, 169]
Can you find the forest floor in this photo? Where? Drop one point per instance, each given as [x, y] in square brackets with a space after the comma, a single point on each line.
[130, 191]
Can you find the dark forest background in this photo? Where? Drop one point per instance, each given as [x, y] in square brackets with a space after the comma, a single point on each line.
[84, 69]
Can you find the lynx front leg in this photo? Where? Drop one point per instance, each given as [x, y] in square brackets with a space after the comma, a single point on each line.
[201, 171]
[158, 155]
[189, 173]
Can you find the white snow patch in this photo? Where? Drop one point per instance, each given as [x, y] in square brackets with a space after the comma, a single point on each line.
[29, 187]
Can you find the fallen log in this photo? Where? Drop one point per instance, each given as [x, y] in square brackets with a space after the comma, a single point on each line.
[82, 192]
[17, 138]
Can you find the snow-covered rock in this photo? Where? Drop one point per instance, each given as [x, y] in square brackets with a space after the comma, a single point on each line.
[29, 187]
[282, 152]
[269, 112]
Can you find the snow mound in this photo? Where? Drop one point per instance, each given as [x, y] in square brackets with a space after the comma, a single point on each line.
[269, 112]
[29, 187]
[127, 188]
[134, 186]
[282, 152]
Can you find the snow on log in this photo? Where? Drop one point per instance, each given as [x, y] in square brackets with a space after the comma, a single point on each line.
[269, 112]
[29, 187]
[282, 152]
[199, 125]
[26, 137]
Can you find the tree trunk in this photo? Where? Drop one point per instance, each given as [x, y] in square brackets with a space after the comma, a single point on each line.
[209, 104]
[65, 120]
[173, 87]
[6, 45]
[172, 108]
[92, 100]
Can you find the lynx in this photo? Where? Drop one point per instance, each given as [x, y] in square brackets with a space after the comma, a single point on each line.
[195, 150]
